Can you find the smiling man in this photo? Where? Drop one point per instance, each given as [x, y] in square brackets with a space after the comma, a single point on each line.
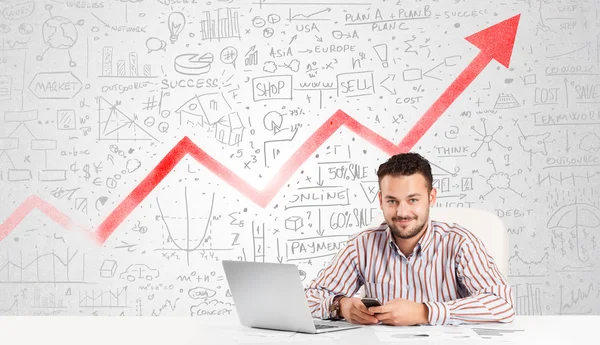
[422, 271]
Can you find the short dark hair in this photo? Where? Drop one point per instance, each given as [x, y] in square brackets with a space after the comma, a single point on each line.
[405, 164]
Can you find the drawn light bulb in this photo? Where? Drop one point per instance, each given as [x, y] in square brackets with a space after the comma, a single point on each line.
[176, 24]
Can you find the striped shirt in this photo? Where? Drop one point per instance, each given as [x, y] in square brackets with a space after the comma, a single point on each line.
[449, 270]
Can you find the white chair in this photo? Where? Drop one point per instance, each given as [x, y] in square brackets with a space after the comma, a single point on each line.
[483, 224]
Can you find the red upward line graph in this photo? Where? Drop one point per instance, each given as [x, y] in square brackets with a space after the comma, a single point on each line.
[495, 43]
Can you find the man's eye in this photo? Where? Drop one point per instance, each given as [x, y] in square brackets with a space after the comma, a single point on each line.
[391, 201]
[414, 200]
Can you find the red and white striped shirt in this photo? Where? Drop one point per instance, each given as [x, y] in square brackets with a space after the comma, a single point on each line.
[449, 270]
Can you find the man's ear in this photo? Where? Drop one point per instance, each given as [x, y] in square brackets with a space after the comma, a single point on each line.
[380, 200]
[432, 196]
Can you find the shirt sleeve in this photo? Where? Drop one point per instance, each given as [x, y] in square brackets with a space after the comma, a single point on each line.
[340, 278]
[490, 296]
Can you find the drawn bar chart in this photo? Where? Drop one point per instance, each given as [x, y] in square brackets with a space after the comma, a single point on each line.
[124, 68]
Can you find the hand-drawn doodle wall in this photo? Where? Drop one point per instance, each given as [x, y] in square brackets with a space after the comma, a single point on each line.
[144, 141]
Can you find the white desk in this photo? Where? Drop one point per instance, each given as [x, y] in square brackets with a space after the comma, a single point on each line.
[88, 330]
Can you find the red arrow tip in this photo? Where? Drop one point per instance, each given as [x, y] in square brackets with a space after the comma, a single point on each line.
[498, 40]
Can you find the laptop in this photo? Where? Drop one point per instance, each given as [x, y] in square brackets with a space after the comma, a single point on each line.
[271, 296]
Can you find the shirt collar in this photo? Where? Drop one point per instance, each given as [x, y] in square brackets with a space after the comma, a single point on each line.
[423, 243]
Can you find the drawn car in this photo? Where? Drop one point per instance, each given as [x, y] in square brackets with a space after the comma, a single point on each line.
[139, 271]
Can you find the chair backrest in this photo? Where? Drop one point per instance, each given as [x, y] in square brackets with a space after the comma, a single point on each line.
[483, 224]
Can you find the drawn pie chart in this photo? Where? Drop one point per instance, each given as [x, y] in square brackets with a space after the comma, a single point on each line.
[193, 64]
[273, 121]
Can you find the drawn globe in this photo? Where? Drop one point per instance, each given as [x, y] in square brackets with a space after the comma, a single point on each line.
[59, 33]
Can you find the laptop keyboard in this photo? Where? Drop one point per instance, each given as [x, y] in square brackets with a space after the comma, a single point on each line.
[321, 326]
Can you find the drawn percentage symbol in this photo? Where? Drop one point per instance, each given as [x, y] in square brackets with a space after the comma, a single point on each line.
[341, 173]
[340, 220]
[347, 216]
[345, 173]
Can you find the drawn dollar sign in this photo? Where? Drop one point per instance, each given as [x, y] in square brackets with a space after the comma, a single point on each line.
[86, 170]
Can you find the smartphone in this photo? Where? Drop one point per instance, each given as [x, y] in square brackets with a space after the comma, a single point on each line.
[371, 302]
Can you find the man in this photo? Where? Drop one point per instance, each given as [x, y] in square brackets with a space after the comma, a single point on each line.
[422, 271]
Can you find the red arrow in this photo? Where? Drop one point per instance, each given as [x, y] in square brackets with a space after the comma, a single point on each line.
[495, 42]
[34, 202]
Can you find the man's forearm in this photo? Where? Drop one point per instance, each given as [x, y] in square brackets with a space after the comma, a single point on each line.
[479, 308]
[319, 301]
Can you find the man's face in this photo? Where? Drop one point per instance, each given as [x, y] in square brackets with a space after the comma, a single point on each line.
[405, 203]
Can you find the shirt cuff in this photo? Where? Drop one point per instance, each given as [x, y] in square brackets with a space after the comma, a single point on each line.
[438, 313]
[325, 306]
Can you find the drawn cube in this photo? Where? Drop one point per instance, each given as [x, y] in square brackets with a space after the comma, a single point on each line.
[293, 223]
[108, 269]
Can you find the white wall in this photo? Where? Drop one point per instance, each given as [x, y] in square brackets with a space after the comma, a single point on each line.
[94, 94]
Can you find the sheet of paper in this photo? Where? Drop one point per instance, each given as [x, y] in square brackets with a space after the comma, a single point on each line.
[504, 332]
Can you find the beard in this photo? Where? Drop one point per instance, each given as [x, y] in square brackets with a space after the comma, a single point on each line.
[407, 231]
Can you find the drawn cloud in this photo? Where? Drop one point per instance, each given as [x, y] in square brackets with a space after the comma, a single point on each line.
[534, 143]
[213, 308]
[133, 165]
[270, 67]
[590, 142]
[499, 180]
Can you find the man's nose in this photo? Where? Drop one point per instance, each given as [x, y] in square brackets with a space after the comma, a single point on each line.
[402, 210]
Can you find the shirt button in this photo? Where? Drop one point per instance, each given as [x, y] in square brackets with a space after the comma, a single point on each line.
[407, 287]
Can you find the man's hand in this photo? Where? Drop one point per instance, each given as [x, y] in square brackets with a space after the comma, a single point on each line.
[401, 312]
[354, 311]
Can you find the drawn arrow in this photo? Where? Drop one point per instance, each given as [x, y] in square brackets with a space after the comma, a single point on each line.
[393, 76]
[101, 21]
[495, 43]
[33, 202]
[319, 180]
[320, 230]
[461, 196]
